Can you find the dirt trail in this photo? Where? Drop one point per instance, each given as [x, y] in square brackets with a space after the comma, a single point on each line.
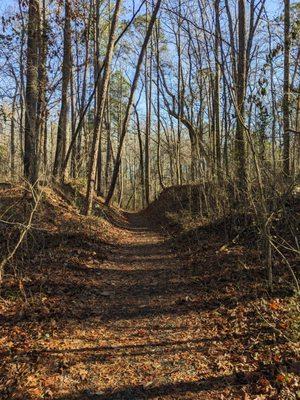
[142, 338]
[143, 344]
[138, 325]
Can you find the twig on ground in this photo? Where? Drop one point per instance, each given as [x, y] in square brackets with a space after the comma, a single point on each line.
[36, 197]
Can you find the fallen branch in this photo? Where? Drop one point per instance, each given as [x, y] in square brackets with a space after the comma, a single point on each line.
[294, 131]
[272, 326]
[288, 264]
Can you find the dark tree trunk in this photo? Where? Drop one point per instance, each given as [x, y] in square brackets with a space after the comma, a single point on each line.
[240, 151]
[286, 90]
[66, 77]
[31, 96]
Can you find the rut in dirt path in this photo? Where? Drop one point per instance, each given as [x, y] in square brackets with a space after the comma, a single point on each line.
[141, 268]
[153, 331]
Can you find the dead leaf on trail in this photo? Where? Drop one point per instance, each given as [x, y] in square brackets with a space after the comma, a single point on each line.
[280, 378]
[37, 392]
[106, 293]
[246, 396]
[274, 305]
[148, 384]
[224, 249]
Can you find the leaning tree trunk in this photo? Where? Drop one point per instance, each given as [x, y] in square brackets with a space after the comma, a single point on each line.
[130, 102]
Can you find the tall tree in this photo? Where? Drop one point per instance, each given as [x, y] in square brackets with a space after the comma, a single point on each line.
[13, 137]
[216, 96]
[66, 77]
[148, 102]
[240, 150]
[286, 90]
[31, 96]
[158, 105]
[42, 81]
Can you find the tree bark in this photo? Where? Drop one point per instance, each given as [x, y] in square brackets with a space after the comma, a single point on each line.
[286, 91]
[31, 96]
[66, 77]
[216, 96]
[42, 80]
[13, 138]
[240, 152]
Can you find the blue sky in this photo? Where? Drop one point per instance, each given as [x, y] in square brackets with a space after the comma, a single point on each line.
[272, 5]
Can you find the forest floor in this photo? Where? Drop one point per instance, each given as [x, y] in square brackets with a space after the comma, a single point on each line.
[136, 316]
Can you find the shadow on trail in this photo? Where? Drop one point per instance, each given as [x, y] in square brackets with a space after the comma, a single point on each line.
[236, 381]
[141, 393]
[145, 280]
[141, 349]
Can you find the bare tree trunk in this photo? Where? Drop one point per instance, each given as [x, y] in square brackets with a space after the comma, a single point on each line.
[66, 77]
[13, 138]
[42, 80]
[45, 145]
[108, 143]
[286, 90]
[159, 172]
[226, 130]
[141, 157]
[273, 97]
[240, 152]
[73, 106]
[31, 97]
[22, 84]
[216, 95]
[180, 97]
[76, 136]
[148, 101]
